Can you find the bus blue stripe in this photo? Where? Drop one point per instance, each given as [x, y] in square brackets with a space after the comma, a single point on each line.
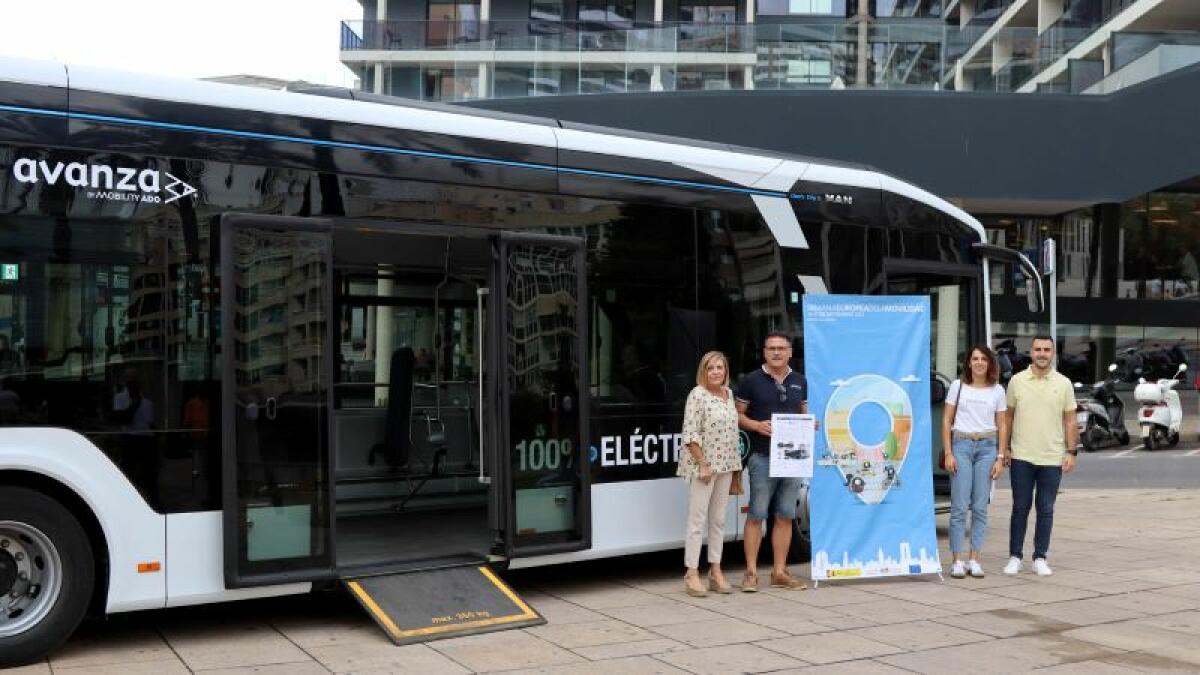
[255, 135]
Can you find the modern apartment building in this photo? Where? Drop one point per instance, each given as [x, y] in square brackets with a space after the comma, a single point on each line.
[1086, 134]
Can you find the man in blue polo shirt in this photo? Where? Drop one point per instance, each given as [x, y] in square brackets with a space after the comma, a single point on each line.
[774, 388]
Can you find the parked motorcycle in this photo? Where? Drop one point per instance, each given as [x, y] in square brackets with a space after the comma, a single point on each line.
[1101, 415]
[1161, 415]
[1153, 363]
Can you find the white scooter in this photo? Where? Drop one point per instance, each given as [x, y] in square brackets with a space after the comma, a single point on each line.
[1161, 415]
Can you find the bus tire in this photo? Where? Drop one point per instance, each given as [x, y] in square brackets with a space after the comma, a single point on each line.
[43, 549]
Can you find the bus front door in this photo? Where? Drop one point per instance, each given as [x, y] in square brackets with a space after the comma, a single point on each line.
[275, 298]
[540, 393]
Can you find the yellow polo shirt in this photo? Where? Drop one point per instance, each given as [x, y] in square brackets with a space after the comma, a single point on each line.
[1038, 404]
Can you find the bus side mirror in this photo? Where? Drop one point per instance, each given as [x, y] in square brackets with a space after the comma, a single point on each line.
[1033, 294]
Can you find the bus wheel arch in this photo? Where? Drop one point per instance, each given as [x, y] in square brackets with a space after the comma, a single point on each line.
[63, 524]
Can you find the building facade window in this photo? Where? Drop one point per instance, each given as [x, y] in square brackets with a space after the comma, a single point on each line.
[806, 7]
[452, 22]
[546, 10]
[707, 11]
[614, 13]
[907, 9]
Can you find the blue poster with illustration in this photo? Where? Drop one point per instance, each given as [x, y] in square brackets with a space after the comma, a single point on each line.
[871, 498]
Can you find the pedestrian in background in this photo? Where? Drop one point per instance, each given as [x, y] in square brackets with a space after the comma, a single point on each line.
[1041, 414]
[974, 451]
[710, 434]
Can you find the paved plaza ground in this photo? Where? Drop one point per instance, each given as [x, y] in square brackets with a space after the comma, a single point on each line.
[1125, 597]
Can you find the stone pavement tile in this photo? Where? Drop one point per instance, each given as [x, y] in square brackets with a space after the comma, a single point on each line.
[931, 593]
[843, 622]
[1001, 656]
[1086, 612]
[1157, 602]
[990, 605]
[42, 668]
[765, 609]
[307, 668]
[558, 611]
[603, 595]
[357, 658]
[1181, 622]
[994, 579]
[829, 647]
[1089, 668]
[660, 613]
[118, 646]
[1186, 591]
[1007, 623]
[860, 667]
[743, 658]
[717, 632]
[827, 596]
[171, 667]
[891, 611]
[209, 646]
[307, 631]
[505, 650]
[634, 664]
[1130, 636]
[670, 586]
[919, 635]
[1173, 575]
[589, 633]
[1035, 593]
[636, 648]
[1147, 662]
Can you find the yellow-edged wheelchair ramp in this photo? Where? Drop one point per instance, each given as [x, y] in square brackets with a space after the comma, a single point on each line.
[448, 602]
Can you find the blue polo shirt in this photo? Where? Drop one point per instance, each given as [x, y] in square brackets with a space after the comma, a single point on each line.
[762, 396]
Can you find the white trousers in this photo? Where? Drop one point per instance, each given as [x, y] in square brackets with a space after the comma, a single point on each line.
[706, 510]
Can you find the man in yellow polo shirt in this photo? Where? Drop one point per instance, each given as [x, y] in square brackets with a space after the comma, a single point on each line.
[1041, 414]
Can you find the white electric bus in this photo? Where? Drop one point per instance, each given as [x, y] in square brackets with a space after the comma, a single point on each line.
[255, 341]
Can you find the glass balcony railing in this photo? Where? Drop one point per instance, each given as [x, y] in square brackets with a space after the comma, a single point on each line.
[1128, 47]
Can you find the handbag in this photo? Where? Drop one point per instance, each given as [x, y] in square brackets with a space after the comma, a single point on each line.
[735, 486]
[953, 416]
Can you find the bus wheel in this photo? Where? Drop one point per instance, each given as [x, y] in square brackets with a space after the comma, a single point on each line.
[46, 575]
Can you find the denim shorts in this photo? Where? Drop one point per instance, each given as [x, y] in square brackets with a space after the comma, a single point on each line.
[770, 496]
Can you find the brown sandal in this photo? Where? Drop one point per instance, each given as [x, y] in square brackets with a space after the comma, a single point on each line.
[749, 582]
[723, 589]
[786, 580]
[693, 585]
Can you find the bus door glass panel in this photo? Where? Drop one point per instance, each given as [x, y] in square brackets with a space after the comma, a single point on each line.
[276, 295]
[951, 305]
[543, 310]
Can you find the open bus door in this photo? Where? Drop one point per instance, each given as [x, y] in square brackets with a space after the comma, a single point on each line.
[540, 386]
[276, 496]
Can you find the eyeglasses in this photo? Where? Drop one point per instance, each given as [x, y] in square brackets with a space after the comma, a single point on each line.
[782, 392]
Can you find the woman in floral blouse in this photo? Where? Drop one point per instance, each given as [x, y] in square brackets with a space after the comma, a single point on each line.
[710, 433]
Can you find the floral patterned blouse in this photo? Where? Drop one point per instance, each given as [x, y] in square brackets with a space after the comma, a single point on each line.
[712, 423]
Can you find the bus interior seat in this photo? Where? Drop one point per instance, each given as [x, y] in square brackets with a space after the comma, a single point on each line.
[396, 447]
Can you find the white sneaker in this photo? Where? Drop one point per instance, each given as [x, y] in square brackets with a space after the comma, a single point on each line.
[975, 569]
[1013, 566]
[957, 570]
[1041, 568]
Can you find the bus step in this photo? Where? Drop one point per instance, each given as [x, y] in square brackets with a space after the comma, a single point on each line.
[434, 604]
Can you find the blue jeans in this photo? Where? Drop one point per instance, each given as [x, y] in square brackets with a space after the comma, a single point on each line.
[971, 486]
[770, 496]
[1025, 477]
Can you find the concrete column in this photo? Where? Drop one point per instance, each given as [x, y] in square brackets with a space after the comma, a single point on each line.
[1049, 11]
[380, 71]
[485, 80]
[1106, 225]
[485, 10]
[945, 348]
[751, 9]
[656, 83]
[966, 12]
[658, 11]
[748, 78]
[384, 326]
[863, 21]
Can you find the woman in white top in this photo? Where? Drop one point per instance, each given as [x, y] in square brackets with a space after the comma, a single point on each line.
[710, 433]
[975, 451]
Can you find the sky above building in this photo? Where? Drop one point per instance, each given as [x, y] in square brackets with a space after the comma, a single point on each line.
[287, 39]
